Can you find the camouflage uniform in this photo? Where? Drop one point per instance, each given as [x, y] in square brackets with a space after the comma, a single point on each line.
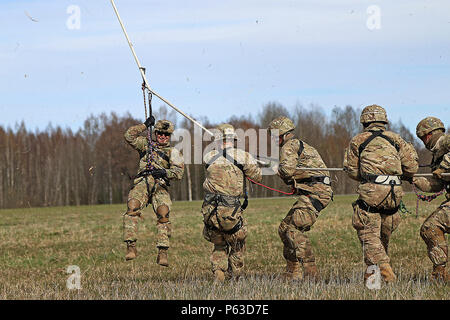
[224, 224]
[379, 159]
[148, 190]
[314, 194]
[435, 227]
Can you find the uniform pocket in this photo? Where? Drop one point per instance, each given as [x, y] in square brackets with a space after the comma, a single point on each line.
[304, 220]
[359, 218]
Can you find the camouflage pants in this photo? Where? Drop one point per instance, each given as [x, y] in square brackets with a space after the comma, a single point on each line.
[159, 197]
[374, 231]
[229, 249]
[293, 228]
[433, 232]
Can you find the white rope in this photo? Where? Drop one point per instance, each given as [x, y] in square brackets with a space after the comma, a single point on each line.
[145, 79]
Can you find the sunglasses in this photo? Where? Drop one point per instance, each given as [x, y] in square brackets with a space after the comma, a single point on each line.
[159, 133]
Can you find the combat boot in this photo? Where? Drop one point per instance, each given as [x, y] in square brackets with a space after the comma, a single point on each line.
[310, 271]
[161, 259]
[386, 273]
[293, 271]
[131, 250]
[440, 274]
[219, 276]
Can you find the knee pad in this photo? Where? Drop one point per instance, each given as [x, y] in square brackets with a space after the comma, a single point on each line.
[162, 213]
[134, 207]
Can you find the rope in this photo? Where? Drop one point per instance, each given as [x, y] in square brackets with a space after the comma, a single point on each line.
[425, 197]
[276, 190]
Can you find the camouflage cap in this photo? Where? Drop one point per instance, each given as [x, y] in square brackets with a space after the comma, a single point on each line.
[225, 131]
[373, 113]
[427, 125]
[283, 124]
[164, 126]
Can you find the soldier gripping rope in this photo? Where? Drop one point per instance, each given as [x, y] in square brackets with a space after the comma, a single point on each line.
[157, 167]
[431, 131]
[379, 160]
[314, 191]
[227, 170]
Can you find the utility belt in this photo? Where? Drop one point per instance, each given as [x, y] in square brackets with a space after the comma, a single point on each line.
[145, 173]
[364, 206]
[382, 179]
[222, 200]
[316, 179]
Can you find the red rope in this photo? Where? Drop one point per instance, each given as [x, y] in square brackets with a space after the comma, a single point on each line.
[276, 190]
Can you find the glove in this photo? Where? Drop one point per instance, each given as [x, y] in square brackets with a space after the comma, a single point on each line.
[159, 173]
[421, 183]
[150, 121]
[438, 173]
[407, 178]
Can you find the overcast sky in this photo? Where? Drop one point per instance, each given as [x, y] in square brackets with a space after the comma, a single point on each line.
[221, 58]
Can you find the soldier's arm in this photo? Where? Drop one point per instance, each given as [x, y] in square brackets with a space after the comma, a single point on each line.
[445, 163]
[408, 158]
[428, 185]
[176, 169]
[351, 161]
[251, 168]
[133, 138]
[288, 159]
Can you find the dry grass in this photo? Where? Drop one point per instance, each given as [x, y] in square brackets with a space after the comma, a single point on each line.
[38, 244]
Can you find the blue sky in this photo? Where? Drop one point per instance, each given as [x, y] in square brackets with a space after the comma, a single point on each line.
[221, 58]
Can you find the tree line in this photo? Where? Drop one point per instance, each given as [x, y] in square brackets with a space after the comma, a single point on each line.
[58, 167]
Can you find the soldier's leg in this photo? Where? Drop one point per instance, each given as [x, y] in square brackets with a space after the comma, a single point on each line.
[433, 232]
[293, 271]
[137, 198]
[389, 223]
[368, 228]
[303, 216]
[236, 243]
[161, 205]
[219, 255]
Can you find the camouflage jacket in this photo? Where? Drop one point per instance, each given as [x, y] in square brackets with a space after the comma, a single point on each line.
[380, 157]
[441, 153]
[441, 159]
[288, 170]
[165, 157]
[223, 177]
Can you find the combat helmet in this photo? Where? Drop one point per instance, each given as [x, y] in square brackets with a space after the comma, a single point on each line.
[427, 125]
[373, 113]
[225, 131]
[283, 124]
[164, 126]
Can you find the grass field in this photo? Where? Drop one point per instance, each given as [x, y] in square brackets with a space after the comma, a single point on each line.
[38, 244]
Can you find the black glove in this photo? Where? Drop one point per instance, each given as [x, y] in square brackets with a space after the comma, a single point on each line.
[159, 173]
[150, 121]
[407, 178]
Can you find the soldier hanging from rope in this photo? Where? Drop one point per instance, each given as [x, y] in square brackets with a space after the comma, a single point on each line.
[158, 164]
